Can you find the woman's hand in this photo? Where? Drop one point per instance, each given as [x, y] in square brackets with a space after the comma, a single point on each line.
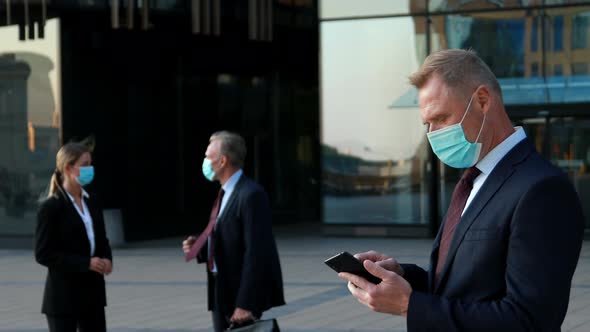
[97, 265]
[108, 266]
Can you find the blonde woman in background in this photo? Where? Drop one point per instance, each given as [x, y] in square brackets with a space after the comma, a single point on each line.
[70, 240]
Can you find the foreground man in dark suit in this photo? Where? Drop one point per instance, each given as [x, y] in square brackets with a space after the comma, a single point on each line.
[244, 273]
[505, 255]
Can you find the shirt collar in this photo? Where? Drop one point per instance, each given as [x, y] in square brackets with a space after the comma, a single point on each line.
[487, 164]
[84, 194]
[230, 185]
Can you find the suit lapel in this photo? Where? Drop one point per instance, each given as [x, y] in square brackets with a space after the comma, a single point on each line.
[76, 220]
[94, 213]
[493, 183]
[434, 258]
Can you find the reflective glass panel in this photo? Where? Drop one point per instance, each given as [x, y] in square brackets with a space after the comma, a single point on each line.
[566, 2]
[29, 124]
[374, 147]
[568, 55]
[538, 59]
[351, 8]
[456, 5]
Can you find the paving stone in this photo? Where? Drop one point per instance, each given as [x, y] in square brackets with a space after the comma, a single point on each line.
[153, 290]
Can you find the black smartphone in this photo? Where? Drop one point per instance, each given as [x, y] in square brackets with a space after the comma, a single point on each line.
[345, 262]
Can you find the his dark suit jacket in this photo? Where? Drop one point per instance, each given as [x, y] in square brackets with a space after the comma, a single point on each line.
[249, 272]
[511, 261]
[62, 245]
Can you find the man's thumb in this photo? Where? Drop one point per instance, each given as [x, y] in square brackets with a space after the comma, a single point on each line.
[377, 270]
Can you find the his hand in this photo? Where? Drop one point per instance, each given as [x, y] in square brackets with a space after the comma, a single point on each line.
[241, 316]
[386, 262]
[97, 265]
[188, 243]
[391, 296]
[108, 266]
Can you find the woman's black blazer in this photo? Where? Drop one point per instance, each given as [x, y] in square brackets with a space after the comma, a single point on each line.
[62, 245]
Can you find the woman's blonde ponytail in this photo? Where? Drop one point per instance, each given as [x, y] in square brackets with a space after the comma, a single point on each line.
[55, 183]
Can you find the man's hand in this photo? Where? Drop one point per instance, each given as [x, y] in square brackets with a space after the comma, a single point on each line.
[241, 316]
[108, 266]
[391, 296]
[188, 243]
[386, 262]
[97, 265]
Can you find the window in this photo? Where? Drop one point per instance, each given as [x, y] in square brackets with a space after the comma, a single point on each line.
[558, 70]
[3, 101]
[374, 167]
[29, 124]
[535, 35]
[558, 33]
[580, 31]
[535, 69]
[580, 68]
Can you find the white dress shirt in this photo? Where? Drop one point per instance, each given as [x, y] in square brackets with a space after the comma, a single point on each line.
[86, 218]
[489, 162]
[228, 189]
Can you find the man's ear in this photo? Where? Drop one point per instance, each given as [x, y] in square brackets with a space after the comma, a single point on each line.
[223, 160]
[483, 98]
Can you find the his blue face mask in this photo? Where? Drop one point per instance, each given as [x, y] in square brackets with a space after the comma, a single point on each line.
[452, 148]
[86, 175]
[208, 171]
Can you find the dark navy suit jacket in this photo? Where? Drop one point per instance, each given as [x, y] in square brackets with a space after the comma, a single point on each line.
[513, 255]
[249, 273]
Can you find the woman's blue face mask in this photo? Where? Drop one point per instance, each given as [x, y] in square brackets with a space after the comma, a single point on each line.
[452, 147]
[86, 175]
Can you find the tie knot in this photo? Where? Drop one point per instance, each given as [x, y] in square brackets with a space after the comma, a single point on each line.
[470, 174]
[220, 193]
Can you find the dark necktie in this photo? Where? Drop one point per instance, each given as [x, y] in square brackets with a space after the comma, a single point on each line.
[460, 195]
[206, 233]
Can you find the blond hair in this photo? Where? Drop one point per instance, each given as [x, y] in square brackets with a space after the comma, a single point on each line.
[68, 155]
[232, 145]
[462, 71]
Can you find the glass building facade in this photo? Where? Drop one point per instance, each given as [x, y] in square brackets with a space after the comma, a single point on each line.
[318, 89]
[151, 83]
[379, 174]
[30, 109]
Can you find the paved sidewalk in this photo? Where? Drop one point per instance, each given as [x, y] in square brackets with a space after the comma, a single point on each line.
[153, 290]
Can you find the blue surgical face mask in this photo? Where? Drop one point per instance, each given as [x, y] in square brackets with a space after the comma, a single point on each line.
[452, 148]
[86, 175]
[208, 171]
